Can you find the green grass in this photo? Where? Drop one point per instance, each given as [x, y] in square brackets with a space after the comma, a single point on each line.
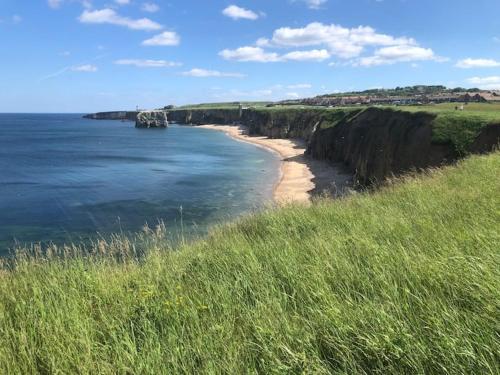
[459, 128]
[487, 111]
[402, 281]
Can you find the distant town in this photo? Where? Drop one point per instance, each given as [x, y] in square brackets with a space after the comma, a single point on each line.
[411, 95]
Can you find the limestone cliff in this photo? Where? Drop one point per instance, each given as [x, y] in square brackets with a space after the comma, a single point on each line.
[151, 119]
[374, 143]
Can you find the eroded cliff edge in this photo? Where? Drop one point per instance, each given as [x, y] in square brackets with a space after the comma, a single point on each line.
[374, 143]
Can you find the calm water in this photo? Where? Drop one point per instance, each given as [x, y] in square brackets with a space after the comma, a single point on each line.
[64, 178]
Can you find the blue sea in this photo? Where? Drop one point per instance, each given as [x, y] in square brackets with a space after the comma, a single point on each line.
[68, 179]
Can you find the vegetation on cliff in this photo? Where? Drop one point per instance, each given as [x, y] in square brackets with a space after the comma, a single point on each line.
[404, 280]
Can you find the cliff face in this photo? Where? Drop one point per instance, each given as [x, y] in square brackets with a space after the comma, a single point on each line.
[117, 115]
[374, 143]
[205, 116]
[377, 143]
[291, 123]
[282, 124]
[151, 119]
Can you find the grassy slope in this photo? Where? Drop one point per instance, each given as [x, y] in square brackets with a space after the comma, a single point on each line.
[405, 280]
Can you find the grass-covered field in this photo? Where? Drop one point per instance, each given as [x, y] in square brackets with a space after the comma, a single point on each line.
[488, 111]
[402, 281]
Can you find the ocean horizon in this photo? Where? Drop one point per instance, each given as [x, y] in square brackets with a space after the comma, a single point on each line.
[68, 179]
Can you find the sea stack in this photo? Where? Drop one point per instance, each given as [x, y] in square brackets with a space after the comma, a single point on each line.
[151, 119]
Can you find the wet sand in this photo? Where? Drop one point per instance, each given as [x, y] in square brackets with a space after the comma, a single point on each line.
[300, 177]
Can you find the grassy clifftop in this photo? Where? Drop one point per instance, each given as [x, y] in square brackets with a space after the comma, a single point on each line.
[405, 280]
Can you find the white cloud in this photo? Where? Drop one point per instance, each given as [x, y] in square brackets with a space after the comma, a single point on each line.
[484, 80]
[292, 95]
[235, 12]
[65, 53]
[486, 83]
[150, 7]
[87, 68]
[54, 3]
[257, 54]
[314, 4]
[148, 63]
[249, 53]
[300, 86]
[122, 2]
[16, 19]
[340, 41]
[203, 73]
[167, 38]
[362, 45]
[477, 63]
[312, 55]
[109, 16]
[395, 54]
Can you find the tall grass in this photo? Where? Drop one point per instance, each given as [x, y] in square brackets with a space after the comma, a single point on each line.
[402, 281]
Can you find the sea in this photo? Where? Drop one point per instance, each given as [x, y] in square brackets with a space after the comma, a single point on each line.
[67, 179]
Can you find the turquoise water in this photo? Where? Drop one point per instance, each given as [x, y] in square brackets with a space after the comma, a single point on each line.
[64, 178]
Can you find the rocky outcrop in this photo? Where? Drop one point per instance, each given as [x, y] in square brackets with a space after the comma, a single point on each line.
[151, 119]
[116, 115]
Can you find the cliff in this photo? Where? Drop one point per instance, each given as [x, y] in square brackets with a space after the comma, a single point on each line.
[374, 143]
[116, 115]
[151, 119]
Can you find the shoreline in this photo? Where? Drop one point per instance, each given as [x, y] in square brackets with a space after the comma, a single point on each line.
[299, 176]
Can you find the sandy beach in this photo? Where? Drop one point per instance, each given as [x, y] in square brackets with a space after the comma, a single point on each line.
[300, 177]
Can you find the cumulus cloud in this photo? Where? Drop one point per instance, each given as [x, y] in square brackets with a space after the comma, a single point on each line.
[203, 73]
[236, 13]
[249, 53]
[312, 55]
[340, 41]
[257, 54]
[150, 7]
[360, 46]
[86, 68]
[148, 63]
[395, 54]
[167, 38]
[477, 63]
[122, 2]
[109, 16]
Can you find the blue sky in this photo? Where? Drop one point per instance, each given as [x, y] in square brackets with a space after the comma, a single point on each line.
[96, 55]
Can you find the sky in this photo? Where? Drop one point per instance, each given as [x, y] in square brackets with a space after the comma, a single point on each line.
[96, 55]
